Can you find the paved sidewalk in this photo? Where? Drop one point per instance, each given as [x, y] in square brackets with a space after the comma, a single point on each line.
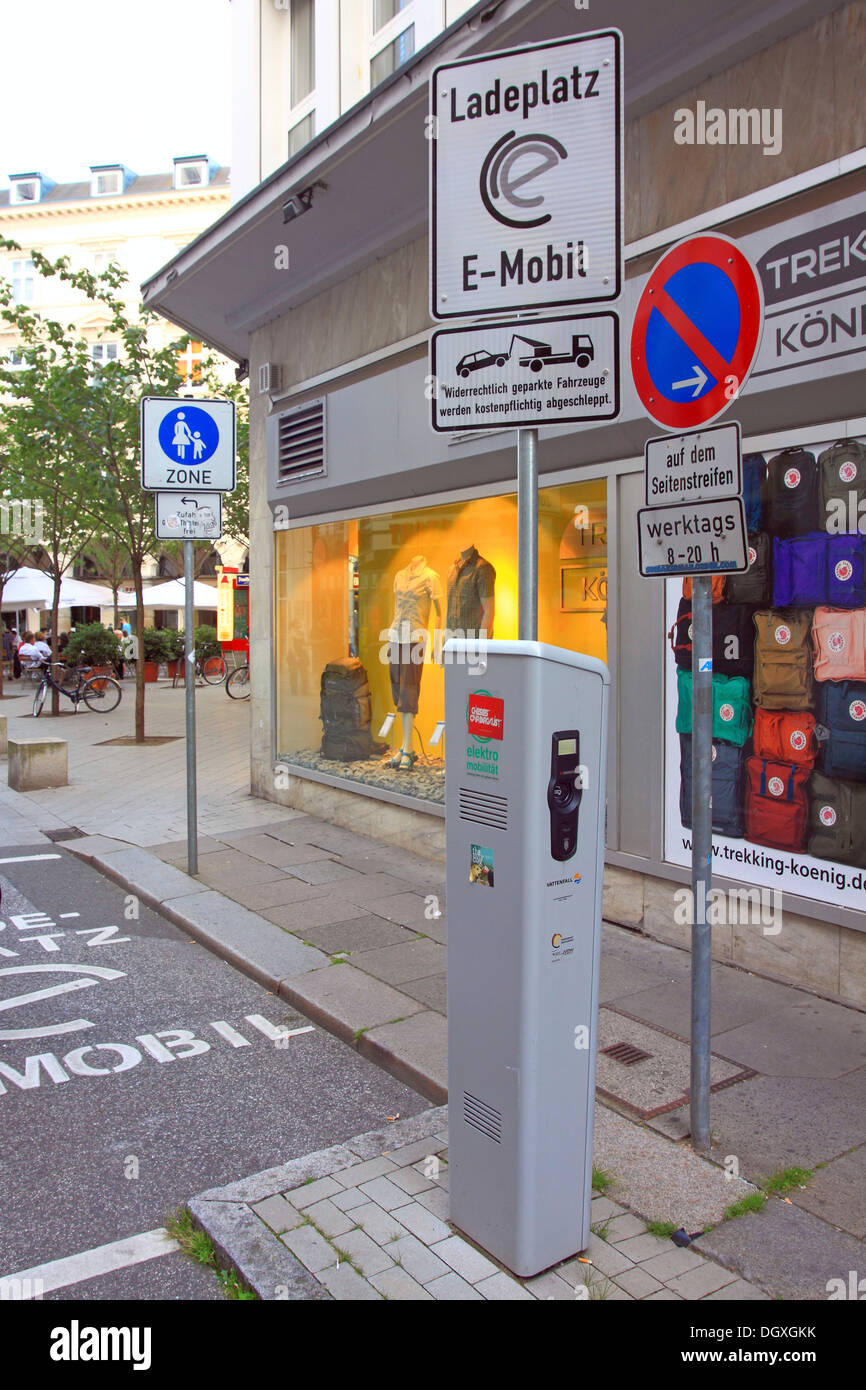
[353, 933]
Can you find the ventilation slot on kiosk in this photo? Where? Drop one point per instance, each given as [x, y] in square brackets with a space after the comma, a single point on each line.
[482, 1117]
[484, 808]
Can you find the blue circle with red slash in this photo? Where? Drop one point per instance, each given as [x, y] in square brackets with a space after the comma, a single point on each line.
[697, 326]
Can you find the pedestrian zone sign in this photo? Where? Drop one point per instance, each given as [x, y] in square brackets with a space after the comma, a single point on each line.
[187, 444]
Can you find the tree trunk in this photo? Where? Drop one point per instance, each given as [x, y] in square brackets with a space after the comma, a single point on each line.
[139, 665]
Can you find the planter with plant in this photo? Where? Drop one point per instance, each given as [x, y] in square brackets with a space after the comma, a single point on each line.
[206, 644]
[93, 645]
[155, 651]
[174, 647]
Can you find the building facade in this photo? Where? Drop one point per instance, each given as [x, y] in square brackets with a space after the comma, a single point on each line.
[360, 514]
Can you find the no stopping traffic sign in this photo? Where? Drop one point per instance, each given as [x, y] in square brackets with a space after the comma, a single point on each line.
[696, 331]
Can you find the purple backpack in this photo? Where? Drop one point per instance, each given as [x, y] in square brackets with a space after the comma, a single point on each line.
[819, 569]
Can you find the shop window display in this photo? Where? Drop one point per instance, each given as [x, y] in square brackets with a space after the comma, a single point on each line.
[789, 684]
[364, 608]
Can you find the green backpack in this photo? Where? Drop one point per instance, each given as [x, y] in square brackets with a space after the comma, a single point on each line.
[732, 709]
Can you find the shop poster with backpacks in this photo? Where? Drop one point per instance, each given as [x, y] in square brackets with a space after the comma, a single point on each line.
[789, 684]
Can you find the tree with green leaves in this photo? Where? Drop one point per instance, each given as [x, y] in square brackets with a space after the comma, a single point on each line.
[73, 425]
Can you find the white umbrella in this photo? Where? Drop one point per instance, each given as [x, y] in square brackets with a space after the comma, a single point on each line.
[28, 588]
[171, 595]
[76, 593]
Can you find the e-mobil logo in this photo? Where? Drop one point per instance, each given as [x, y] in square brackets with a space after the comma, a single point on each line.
[485, 716]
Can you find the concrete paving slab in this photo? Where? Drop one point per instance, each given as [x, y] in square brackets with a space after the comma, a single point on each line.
[786, 1251]
[153, 880]
[259, 1256]
[415, 1050]
[837, 1193]
[90, 845]
[327, 870]
[737, 999]
[345, 1000]
[658, 1180]
[278, 893]
[268, 849]
[662, 1078]
[366, 888]
[806, 1037]
[321, 911]
[364, 933]
[776, 1122]
[241, 937]
[432, 991]
[412, 960]
[409, 909]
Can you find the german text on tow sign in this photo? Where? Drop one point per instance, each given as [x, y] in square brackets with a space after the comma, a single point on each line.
[699, 466]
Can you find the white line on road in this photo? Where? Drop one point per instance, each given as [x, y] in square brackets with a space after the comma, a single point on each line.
[29, 858]
[59, 1274]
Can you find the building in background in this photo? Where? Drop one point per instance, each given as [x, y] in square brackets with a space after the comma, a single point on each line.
[318, 278]
[113, 217]
[298, 65]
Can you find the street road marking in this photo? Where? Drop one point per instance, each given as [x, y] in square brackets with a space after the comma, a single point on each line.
[29, 858]
[230, 1034]
[275, 1034]
[103, 1259]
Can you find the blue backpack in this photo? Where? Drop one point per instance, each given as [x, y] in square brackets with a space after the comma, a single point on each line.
[754, 490]
[728, 786]
[843, 715]
[819, 570]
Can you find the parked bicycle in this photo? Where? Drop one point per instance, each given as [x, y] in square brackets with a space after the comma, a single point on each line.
[238, 682]
[212, 671]
[99, 693]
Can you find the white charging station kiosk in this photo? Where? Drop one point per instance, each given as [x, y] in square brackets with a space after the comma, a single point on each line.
[525, 762]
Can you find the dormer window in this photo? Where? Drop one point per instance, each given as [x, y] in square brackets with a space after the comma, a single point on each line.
[109, 180]
[27, 188]
[192, 172]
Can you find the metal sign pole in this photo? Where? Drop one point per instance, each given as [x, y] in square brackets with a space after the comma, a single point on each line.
[702, 850]
[189, 666]
[527, 535]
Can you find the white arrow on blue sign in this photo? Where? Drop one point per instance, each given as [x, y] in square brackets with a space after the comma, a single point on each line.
[187, 444]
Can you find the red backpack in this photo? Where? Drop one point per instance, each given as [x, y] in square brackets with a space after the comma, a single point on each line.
[785, 736]
[777, 807]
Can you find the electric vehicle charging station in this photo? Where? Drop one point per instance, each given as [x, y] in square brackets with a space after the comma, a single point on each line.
[525, 764]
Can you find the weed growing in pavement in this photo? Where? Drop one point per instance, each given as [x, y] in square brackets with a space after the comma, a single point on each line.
[601, 1180]
[753, 1202]
[785, 1180]
[600, 1228]
[663, 1229]
[198, 1245]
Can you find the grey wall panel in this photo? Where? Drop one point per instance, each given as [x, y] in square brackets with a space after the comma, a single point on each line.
[639, 693]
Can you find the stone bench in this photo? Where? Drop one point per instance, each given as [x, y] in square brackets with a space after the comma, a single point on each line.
[36, 763]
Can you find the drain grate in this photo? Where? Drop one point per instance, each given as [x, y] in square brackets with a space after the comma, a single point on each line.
[71, 832]
[626, 1053]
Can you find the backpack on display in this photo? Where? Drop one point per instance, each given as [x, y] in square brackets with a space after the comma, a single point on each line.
[345, 711]
[728, 773]
[842, 478]
[792, 494]
[718, 587]
[842, 706]
[839, 637]
[777, 807]
[819, 569]
[783, 662]
[754, 490]
[837, 820]
[733, 638]
[732, 710]
[754, 585]
[785, 736]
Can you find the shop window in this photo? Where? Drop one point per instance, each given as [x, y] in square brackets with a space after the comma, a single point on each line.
[384, 10]
[303, 49]
[302, 133]
[368, 604]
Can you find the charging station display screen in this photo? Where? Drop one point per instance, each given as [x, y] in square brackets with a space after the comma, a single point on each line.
[567, 746]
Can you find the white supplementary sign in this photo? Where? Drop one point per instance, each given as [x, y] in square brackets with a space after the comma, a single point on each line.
[526, 178]
[195, 516]
[187, 444]
[693, 538]
[525, 372]
[698, 466]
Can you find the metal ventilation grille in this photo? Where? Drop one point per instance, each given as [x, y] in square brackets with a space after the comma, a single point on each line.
[482, 1117]
[483, 808]
[301, 443]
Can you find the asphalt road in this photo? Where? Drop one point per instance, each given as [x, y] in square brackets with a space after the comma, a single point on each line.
[159, 1076]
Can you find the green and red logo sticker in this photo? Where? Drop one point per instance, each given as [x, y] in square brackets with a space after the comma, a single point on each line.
[485, 725]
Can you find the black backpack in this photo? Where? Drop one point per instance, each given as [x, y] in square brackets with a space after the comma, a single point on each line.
[793, 507]
[843, 479]
[345, 711]
[728, 786]
[754, 586]
[733, 638]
